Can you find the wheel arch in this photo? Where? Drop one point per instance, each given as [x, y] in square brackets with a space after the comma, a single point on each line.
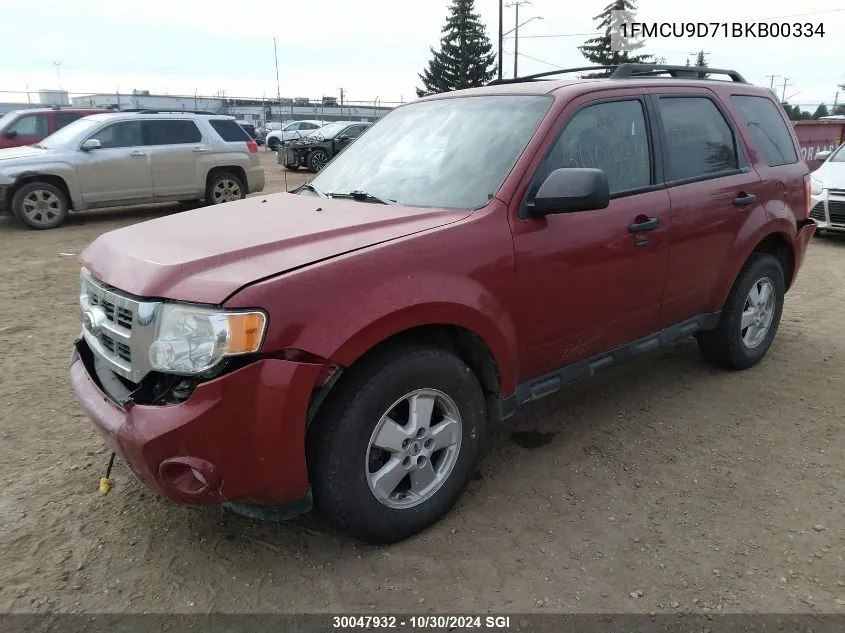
[226, 169]
[775, 242]
[30, 177]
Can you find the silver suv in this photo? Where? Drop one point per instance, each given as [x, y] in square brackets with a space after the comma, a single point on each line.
[107, 160]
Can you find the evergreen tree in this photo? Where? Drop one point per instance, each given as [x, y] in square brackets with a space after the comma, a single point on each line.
[598, 49]
[687, 61]
[701, 60]
[465, 58]
[821, 111]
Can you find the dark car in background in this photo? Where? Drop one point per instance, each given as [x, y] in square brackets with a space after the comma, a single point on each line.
[249, 128]
[32, 125]
[319, 147]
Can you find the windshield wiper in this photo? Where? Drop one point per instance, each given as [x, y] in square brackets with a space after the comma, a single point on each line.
[311, 187]
[361, 196]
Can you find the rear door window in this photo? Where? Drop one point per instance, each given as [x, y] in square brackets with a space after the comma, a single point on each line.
[229, 131]
[175, 132]
[699, 141]
[63, 118]
[767, 128]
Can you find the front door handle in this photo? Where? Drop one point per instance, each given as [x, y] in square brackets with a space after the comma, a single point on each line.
[649, 224]
[199, 150]
[137, 153]
[744, 199]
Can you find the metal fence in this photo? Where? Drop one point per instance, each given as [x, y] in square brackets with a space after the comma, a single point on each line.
[256, 110]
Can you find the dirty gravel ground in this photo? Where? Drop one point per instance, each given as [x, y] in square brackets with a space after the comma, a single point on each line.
[664, 485]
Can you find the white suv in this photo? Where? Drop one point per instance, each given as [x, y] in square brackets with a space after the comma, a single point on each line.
[292, 131]
[129, 158]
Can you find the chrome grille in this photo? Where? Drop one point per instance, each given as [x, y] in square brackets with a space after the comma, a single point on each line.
[117, 327]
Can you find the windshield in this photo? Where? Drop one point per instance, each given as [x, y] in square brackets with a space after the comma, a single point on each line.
[69, 134]
[450, 153]
[8, 118]
[839, 155]
[331, 130]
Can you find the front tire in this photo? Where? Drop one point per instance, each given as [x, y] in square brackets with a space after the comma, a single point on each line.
[317, 160]
[273, 144]
[394, 446]
[750, 317]
[224, 187]
[40, 205]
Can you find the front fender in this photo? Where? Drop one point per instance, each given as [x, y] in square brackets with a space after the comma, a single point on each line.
[53, 170]
[483, 316]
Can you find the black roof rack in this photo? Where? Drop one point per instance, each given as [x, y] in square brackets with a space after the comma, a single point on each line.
[548, 73]
[632, 71]
[624, 71]
[155, 111]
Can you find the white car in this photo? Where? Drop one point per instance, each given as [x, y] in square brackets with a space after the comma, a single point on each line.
[828, 191]
[291, 131]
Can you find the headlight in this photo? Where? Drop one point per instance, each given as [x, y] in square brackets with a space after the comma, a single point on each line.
[816, 186]
[191, 339]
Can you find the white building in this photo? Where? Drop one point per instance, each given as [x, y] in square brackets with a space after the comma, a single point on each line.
[256, 111]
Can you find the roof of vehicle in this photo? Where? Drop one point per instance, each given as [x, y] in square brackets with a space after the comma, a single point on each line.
[61, 109]
[157, 115]
[624, 75]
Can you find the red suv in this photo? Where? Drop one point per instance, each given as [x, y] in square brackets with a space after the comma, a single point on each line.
[350, 343]
[33, 125]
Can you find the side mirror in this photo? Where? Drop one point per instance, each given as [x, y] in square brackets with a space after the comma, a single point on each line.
[10, 134]
[344, 138]
[823, 155]
[91, 144]
[569, 190]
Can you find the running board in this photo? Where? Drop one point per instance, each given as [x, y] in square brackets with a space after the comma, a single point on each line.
[554, 381]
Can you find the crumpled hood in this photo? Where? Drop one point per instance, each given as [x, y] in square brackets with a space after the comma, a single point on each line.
[206, 254]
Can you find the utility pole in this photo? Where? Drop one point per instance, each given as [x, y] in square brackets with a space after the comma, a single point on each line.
[785, 84]
[278, 90]
[516, 4]
[58, 73]
[772, 82]
[501, 5]
[341, 103]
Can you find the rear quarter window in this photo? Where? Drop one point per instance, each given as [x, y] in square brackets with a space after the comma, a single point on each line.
[229, 131]
[767, 129]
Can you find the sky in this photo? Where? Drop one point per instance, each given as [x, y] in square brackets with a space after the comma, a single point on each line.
[373, 49]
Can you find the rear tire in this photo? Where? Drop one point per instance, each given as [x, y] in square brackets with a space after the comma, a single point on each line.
[273, 145]
[224, 187]
[40, 205]
[750, 317]
[382, 480]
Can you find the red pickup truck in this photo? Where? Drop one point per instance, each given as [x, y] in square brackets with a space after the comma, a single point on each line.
[348, 345]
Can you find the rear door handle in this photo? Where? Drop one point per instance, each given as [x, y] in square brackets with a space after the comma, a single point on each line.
[199, 150]
[137, 153]
[744, 199]
[649, 225]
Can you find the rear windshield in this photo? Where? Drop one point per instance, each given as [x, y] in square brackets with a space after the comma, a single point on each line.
[229, 131]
